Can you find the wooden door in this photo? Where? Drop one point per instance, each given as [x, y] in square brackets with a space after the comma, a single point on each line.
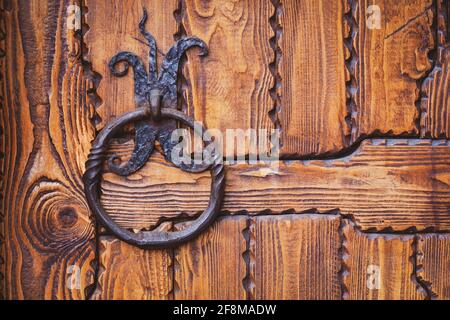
[358, 209]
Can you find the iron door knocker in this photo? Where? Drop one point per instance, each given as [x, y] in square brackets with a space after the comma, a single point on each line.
[154, 119]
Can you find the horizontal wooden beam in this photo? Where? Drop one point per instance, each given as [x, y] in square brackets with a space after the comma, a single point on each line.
[396, 184]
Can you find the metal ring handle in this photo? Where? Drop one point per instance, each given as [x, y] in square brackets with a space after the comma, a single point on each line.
[158, 239]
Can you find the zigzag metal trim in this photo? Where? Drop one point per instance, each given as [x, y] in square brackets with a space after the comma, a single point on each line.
[351, 63]
[249, 257]
[274, 92]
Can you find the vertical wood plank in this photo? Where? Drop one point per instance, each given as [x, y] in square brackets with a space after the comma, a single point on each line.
[297, 257]
[433, 263]
[113, 27]
[212, 266]
[391, 59]
[435, 117]
[229, 88]
[48, 241]
[3, 24]
[313, 90]
[379, 266]
[131, 273]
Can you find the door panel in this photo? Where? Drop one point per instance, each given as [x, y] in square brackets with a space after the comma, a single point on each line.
[126, 272]
[313, 117]
[357, 209]
[47, 231]
[386, 260]
[281, 244]
[432, 270]
[435, 121]
[211, 266]
[233, 86]
[388, 65]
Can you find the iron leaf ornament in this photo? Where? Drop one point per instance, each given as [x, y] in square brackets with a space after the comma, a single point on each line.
[153, 91]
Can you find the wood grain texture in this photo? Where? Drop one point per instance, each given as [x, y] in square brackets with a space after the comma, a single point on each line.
[378, 267]
[229, 88]
[113, 27]
[212, 266]
[313, 88]
[297, 257]
[130, 273]
[2, 144]
[433, 262]
[391, 62]
[47, 132]
[397, 184]
[435, 116]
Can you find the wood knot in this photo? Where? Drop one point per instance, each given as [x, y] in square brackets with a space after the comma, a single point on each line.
[67, 217]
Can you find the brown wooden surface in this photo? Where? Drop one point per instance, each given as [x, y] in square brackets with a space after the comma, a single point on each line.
[112, 28]
[348, 83]
[435, 117]
[2, 147]
[296, 257]
[230, 88]
[47, 132]
[389, 64]
[130, 273]
[268, 257]
[309, 230]
[313, 116]
[392, 255]
[433, 262]
[212, 266]
[307, 256]
[396, 184]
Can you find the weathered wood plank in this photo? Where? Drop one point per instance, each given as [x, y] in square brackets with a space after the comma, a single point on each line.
[230, 87]
[3, 23]
[433, 264]
[435, 116]
[113, 27]
[389, 61]
[378, 267]
[396, 184]
[131, 273]
[212, 266]
[296, 257]
[313, 89]
[48, 235]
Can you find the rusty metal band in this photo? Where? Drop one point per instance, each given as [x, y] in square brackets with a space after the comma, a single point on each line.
[154, 239]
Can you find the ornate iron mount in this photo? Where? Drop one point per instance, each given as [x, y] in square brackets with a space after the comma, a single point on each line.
[154, 119]
[153, 91]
